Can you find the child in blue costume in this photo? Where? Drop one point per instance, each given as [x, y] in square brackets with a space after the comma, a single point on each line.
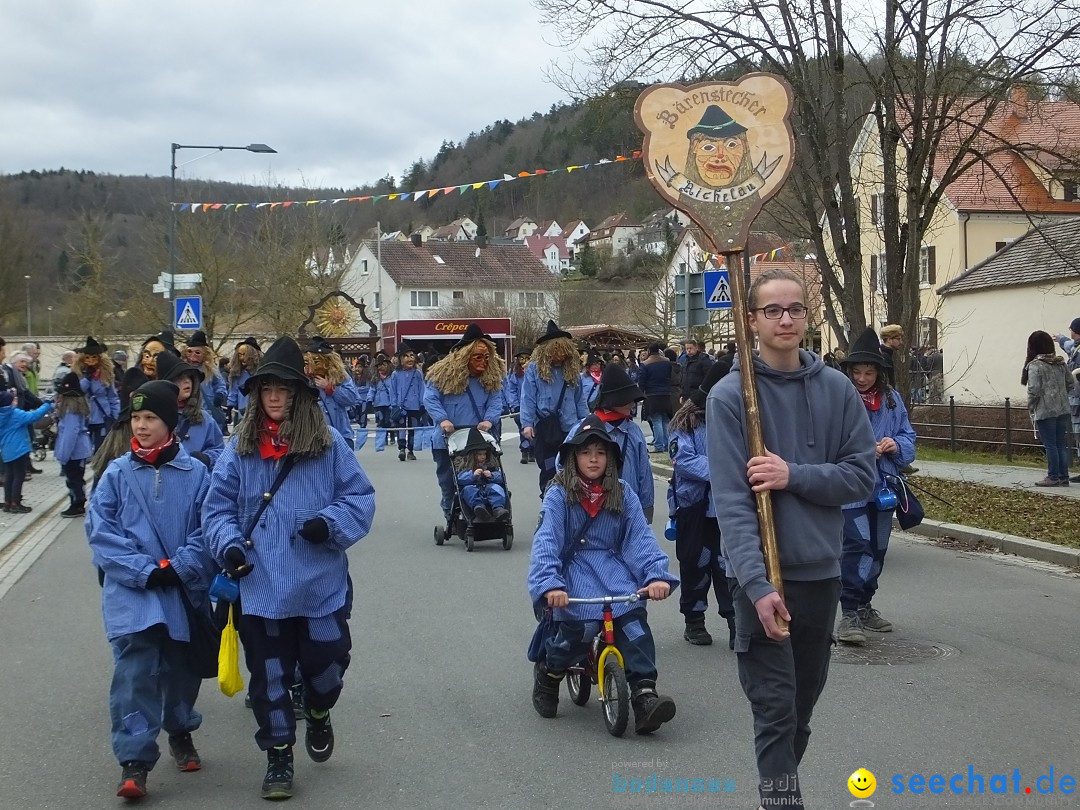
[593, 540]
[867, 528]
[481, 482]
[407, 399]
[146, 538]
[196, 428]
[15, 448]
[512, 397]
[73, 446]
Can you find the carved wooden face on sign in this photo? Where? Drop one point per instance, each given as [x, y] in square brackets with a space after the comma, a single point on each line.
[718, 150]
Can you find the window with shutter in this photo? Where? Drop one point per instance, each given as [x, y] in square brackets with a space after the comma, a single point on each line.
[873, 271]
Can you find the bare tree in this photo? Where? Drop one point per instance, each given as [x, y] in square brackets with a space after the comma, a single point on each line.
[16, 257]
[933, 73]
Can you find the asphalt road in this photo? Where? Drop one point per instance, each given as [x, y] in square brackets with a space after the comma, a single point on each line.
[436, 710]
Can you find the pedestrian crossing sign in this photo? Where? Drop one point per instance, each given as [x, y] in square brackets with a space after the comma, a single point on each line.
[717, 289]
[187, 313]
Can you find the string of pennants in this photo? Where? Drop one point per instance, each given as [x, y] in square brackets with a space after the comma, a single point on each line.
[403, 196]
[768, 256]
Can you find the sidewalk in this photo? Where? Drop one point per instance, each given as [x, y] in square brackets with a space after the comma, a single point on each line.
[24, 537]
[994, 475]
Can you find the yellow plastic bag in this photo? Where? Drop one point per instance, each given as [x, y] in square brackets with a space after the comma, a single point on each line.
[229, 678]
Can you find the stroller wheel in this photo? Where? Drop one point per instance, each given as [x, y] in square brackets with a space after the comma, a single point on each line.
[440, 538]
[508, 538]
[470, 542]
[39, 454]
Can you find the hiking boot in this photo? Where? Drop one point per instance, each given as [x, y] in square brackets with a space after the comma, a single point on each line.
[731, 632]
[872, 620]
[545, 696]
[401, 456]
[411, 456]
[319, 739]
[501, 514]
[1075, 479]
[1047, 482]
[850, 629]
[297, 690]
[481, 515]
[132, 780]
[277, 784]
[19, 508]
[183, 752]
[524, 456]
[73, 511]
[650, 709]
[695, 631]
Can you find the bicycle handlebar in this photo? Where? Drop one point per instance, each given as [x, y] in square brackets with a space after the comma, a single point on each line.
[603, 600]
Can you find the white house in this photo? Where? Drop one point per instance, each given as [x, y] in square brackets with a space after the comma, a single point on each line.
[460, 230]
[520, 228]
[616, 233]
[574, 232]
[988, 312]
[549, 228]
[552, 251]
[419, 279]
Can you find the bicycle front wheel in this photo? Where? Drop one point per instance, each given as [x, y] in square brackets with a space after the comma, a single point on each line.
[616, 697]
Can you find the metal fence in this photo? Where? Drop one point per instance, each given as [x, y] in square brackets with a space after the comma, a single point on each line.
[990, 428]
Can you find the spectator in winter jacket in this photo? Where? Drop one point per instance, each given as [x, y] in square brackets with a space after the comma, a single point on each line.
[654, 379]
[697, 366]
[1048, 384]
[15, 447]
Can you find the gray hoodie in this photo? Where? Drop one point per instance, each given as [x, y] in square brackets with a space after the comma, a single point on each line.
[814, 419]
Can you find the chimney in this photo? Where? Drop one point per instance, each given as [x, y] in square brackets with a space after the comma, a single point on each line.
[1018, 101]
[417, 240]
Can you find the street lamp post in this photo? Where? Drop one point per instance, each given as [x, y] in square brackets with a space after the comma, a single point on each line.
[261, 148]
[29, 328]
[50, 321]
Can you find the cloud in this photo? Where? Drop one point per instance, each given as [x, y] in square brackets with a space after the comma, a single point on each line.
[347, 92]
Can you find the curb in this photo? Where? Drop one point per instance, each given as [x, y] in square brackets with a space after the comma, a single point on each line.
[42, 513]
[1005, 543]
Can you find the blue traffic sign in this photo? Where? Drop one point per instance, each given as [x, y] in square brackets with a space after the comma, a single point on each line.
[717, 289]
[187, 313]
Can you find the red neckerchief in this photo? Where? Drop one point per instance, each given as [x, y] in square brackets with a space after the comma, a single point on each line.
[596, 376]
[604, 415]
[271, 445]
[871, 399]
[592, 497]
[96, 373]
[150, 454]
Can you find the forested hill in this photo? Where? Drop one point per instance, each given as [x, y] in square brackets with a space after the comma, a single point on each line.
[51, 206]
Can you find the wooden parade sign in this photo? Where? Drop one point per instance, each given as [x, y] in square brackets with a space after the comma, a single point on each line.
[717, 151]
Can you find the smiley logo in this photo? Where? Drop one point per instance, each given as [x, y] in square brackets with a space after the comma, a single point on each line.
[862, 784]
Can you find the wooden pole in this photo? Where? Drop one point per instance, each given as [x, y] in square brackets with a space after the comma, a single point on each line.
[766, 524]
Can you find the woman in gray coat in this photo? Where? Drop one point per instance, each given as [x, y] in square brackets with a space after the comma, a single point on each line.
[1048, 382]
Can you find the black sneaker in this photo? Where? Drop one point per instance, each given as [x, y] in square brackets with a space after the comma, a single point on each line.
[545, 696]
[34, 470]
[411, 456]
[696, 633]
[401, 456]
[183, 752]
[650, 709]
[132, 780]
[73, 511]
[277, 784]
[319, 739]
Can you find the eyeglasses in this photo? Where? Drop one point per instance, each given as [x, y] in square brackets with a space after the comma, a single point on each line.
[775, 312]
[479, 356]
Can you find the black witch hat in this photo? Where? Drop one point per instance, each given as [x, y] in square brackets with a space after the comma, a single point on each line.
[616, 388]
[249, 341]
[404, 348]
[866, 349]
[285, 361]
[592, 427]
[197, 340]
[69, 385]
[92, 347]
[476, 441]
[318, 345]
[524, 351]
[716, 123]
[172, 368]
[165, 338]
[717, 371]
[553, 332]
[473, 333]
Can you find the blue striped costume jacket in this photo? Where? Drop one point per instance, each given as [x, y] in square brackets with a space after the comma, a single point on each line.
[72, 439]
[589, 388]
[458, 408]
[291, 576]
[512, 392]
[618, 555]
[407, 389]
[103, 399]
[636, 469]
[236, 398]
[380, 392]
[214, 393]
[894, 424]
[538, 399]
[691, 469]
[205, 438]
[127, 549]
[336, 407]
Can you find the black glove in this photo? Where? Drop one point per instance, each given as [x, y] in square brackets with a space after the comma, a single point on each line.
[236, 564]
[205, 459]
[165, 577]
[315, 531]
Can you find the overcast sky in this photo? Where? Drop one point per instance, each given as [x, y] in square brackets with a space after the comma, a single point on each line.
[346, 91]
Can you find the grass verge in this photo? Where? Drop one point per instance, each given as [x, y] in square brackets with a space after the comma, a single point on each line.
[1010, 511]
[925, 452]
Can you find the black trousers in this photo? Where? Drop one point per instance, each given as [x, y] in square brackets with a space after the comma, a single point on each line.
[14, 476]
[275, 649]
[75, 478]
[784, 679]
[697, 547]
[545, 459]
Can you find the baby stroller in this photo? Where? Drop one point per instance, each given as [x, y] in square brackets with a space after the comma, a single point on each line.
[44, 437]
[462, 521]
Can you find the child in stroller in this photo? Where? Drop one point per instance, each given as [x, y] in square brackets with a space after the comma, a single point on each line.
[481, 485]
